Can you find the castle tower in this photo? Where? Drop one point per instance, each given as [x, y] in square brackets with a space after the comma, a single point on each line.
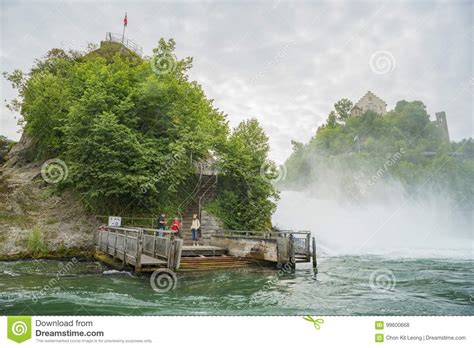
[369, 102]
[442, 124]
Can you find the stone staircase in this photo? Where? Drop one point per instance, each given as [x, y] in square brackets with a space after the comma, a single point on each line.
[205, 193]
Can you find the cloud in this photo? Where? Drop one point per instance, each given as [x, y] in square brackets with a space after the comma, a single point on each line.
[284, 63]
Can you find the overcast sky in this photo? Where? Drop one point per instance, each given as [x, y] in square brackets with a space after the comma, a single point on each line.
[284, 63]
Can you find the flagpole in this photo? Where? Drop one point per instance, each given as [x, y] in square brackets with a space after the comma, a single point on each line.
[124, 25]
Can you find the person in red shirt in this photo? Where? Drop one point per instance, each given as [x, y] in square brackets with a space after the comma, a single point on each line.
[176, 226]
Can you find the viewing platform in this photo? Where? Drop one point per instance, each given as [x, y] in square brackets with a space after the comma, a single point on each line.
[129, 44]
[147, 250]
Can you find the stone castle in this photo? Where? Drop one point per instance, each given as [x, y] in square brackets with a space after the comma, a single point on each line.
[369, 102]
[373, 103]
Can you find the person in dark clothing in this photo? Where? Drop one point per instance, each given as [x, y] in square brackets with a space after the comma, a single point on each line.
[161, 224]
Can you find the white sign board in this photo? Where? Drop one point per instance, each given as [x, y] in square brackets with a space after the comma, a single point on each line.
[115, 221]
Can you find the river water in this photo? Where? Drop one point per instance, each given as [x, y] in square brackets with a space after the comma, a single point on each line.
[406, 258]
[345, 285]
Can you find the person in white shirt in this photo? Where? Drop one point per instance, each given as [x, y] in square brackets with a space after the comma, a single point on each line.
[195, 225]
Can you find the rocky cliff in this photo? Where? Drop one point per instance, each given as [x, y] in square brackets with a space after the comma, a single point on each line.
[34, 220]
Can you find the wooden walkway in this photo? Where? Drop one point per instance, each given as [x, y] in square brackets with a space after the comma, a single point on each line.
[202, 250]
[147, 250]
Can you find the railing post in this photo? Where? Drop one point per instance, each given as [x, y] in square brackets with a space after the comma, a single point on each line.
[315, 261]
[100, 239]
[308, 247]
[154, 244]
[115, 245]
[107, 244]
[291, 251]
[125, 247]
[177, 253]
[170, 255]
[138, 256]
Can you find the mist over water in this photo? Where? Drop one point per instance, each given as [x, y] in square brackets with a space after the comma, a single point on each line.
[387, 222]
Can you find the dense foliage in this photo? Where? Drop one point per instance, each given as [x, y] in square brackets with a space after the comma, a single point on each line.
[402, 146]
[129, 130]
[246, 180]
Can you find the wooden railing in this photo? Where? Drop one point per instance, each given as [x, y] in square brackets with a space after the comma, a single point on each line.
[130, 244]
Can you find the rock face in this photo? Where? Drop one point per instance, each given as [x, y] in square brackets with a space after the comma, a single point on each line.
[21, 153]
[28, 203]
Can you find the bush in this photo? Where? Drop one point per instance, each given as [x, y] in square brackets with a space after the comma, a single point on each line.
[36, 244]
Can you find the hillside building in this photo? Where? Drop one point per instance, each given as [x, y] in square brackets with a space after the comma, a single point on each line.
[369, 102]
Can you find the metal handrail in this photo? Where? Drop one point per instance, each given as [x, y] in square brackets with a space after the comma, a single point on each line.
[153, 231]
[204, 194]
[190, 196]
[132, 45]
[250, 232]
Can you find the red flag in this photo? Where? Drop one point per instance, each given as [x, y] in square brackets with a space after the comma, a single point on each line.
[125, 20]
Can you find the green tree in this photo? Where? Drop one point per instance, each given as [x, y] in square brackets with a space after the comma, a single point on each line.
[247, 198]
[128, 128]
[343, 109]
[406, 129]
